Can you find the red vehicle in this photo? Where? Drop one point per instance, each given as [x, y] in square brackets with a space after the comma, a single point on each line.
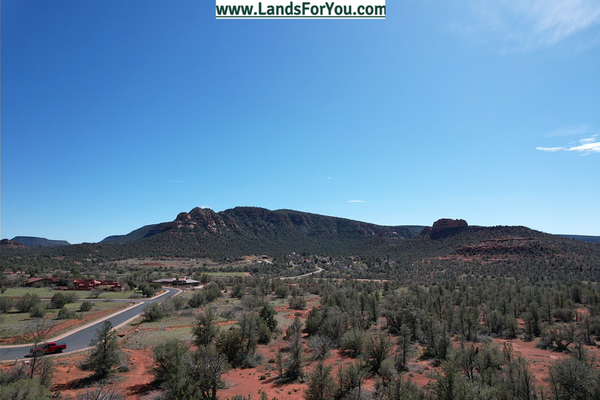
[49, 348]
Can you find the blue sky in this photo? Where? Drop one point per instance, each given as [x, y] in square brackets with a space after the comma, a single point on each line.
[118, 114]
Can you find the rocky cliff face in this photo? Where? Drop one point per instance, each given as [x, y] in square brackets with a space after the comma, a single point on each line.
[446, 223]
[260, 224]
[444, 227]
[39, 242]
[11, 244]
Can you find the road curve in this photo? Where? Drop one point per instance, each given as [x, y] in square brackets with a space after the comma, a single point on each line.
[80, 340]
[319, 269]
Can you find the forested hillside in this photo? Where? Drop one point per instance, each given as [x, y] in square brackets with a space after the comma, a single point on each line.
[412, 253]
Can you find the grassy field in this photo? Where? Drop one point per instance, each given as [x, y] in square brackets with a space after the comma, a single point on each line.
[151, 338]
[47, 293]
[242, 274]
[17, 324]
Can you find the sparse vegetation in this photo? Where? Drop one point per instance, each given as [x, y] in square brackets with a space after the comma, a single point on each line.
[444, 303]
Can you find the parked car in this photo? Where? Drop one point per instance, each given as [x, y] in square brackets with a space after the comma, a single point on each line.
[48, 348]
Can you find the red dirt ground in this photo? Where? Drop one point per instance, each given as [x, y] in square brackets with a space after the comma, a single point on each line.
[137, 383]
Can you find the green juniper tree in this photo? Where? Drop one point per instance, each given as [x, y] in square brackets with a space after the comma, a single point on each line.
[104, 357]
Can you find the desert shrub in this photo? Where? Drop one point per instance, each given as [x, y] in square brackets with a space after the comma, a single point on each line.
[334, 324]
[251, 301]
[58, 301]
[377, 349]
[314, 320]
[71, 297]
[206, 329]
[573, 379]
[294, 368]
[267, 314]
[238, 344]
[153, 312]
[213, 291]
[253, 360]
[168, 359]
[564, 314]
[37, 311]
[399, 388]
[321, 385]
[387, 370]
[86, 306]
[13, 374]
[263, 332]
[6, 303]
[293, 329]
[178, 302]
[320, 347]
[238, 290]
[167, 307]
[24, 389]
[350, 377]
[64, 313]
[104, 356]
[27, 302]
[230, 344]
[198, 299]
[297, 303]
[101, 391]
[353, 342]
[282, 291]
[148, 291]
[201, 377]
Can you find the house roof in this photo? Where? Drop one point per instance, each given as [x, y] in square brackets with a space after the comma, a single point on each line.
[35, 279]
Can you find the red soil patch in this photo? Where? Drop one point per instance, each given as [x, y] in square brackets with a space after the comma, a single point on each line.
[539, 359]
[264, 378]
[135, 384]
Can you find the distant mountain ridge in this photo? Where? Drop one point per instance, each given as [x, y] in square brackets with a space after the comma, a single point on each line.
[33, 241]
[253, 229]
[448, 244]
[248, 230]
[591, 239]
[138, 234]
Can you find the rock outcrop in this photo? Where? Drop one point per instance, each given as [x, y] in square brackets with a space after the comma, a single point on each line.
[11, 244]
[446, 223]
[444, 227]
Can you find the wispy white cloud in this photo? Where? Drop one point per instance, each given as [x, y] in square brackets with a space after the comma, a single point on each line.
[356, 201]
[550, 149]
[585, 146]
[572, 130]
[526, 24]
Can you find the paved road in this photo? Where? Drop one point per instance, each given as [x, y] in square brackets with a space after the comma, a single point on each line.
[319, 269]
[81, 339]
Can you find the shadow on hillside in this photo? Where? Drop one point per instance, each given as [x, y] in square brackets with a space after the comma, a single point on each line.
[143, 388]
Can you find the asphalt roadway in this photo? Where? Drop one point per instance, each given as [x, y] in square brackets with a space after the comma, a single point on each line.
[81, 339]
